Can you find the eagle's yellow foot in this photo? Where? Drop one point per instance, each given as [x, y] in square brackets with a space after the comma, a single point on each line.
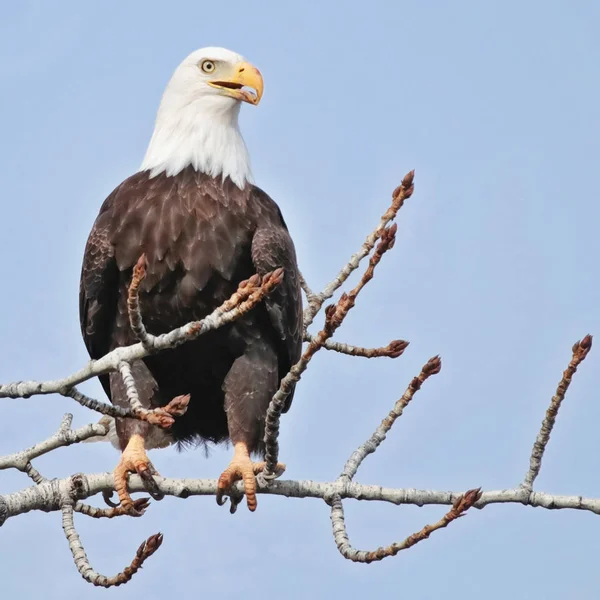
[242, 467]
[134, 460]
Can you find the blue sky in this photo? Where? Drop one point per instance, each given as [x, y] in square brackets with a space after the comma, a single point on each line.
[495, 104]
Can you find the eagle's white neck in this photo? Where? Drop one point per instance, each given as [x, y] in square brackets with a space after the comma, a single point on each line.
[201, 131]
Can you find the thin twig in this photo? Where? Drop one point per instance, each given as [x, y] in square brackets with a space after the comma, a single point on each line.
[580, 351]
[311, 297]
[460, 506]
[393, 350]
[130, 387]
[64, 436]
[133, 305]
[147, 549]
[140, 505]
[33, 473]
[334, 317]
[432, 367]
[93, 404]
[399, 195]
[21, 460]
[305, 287]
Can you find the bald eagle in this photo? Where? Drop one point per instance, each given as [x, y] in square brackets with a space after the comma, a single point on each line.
[204, 227]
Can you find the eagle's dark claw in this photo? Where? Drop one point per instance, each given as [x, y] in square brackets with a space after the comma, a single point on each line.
[235, 498]
[151, 486]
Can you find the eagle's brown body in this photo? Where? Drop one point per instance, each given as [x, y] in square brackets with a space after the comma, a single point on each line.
[202, 236]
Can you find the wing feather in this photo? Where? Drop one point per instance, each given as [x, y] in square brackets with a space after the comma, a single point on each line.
[272, 248]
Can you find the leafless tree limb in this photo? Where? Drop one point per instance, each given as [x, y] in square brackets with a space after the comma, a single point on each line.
[340, 533]
[580, 351]
[334, 317]
[133, 305]
[399, 195]
[147, 549]
[251, 293]
[65, 436]
[393, 350]
[47, 497]
[432, 367]
[311, 297]
[130, 387]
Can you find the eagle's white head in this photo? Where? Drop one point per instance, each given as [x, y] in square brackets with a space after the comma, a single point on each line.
[197, 121]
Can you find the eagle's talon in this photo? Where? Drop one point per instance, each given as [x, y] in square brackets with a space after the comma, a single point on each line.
[107, 497]
[134, 460]
[233, 506]
[147, 475]
[242, 467]
[279, 471]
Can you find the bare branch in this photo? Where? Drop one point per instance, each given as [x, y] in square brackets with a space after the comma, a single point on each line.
[33, 473]
[399, 195]
[305, 287]
[63, 437]
[251, 294]
[393, 350]
[95, 405]
[130, 387]
[342, 541]
[50, 495]
[162, 416]
[334, 317]
[140, 505]
[311, 297]
[580, 351]
[147, 549]
[133, 305]
[432, 367]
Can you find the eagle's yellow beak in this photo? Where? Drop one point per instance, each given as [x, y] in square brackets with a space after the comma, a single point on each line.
[243, 75]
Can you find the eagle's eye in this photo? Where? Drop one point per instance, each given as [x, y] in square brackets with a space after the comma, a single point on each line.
[208, 66]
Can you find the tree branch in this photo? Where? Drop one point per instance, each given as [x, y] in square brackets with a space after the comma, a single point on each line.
[399, 195]
[251, 292]
[47, 496]
[432, 367]
[65, 436]
[334, 317]
[342, 541]
[393, 350]
[580, 351]
[133, 305]
[147, 549]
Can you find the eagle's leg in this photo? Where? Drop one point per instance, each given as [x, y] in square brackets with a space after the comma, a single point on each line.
[242, 468]
[249, 387]
[133, 460]
[135, 436]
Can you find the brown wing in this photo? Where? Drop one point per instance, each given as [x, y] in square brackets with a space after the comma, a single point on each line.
[99, 290]
[272, 247]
